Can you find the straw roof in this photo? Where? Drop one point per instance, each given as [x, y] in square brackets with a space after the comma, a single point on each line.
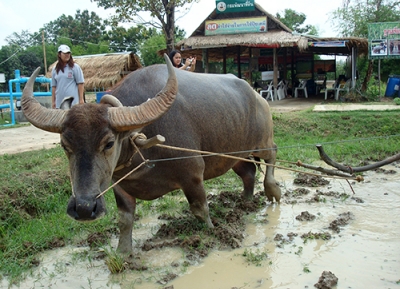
[277, 36]
[360, 43]
[103, 71]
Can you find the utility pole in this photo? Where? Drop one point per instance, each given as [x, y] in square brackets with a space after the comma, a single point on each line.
[44, 58]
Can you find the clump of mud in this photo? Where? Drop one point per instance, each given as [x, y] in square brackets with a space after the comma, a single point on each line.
[305, 216]
[327, 280]
[310, 180]
[384, 171]
[342, 220]
[227, 210]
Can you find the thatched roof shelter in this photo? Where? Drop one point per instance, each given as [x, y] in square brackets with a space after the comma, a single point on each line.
[102, 71]
[277, 36]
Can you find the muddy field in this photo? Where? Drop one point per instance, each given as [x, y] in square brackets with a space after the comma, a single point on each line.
[321, 234]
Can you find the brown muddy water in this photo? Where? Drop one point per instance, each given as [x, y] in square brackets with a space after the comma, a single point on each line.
[363, 250]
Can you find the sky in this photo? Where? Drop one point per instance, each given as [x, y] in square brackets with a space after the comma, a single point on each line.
[32, 15]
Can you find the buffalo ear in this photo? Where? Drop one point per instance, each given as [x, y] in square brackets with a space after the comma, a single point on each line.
[110, 100]
[67, 103]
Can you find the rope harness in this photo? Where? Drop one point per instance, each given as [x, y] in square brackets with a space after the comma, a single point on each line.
[139, 139]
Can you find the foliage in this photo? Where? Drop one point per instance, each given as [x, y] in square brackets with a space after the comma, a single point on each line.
[84, 28]
[148, 51]
[352, 19]
[162, 10]
[131, 39]
[255, 257]
[295, 21]
[397, 100]
[150, 47]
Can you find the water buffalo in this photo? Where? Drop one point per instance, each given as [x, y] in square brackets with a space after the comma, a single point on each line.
[215, 113]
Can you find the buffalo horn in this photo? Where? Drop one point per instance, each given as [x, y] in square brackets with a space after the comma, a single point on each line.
[129, 118]
[40, 116]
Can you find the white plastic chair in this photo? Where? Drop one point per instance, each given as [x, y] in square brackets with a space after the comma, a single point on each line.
[302, 87]
[333, 89]
[344, 87]
[281, 90]
[269, 91]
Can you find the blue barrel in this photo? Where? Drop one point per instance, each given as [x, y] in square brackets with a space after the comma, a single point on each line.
[393, 85]
[99, 95]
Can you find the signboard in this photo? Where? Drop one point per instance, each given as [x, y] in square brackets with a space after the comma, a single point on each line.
[229, 6]
[327, 44]
[236, 26]
[2, 78]
[384, 40]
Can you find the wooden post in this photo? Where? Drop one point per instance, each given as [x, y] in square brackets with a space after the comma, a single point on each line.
[44, 58]
[205, 60]
[275, 63]
[238, 64]
[224, 59]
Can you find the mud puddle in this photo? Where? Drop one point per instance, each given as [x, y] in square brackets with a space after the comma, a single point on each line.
[318, 227]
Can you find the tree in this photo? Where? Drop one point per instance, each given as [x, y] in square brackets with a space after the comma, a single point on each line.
[84, 28]
[22, 40]
[162, 10]
[352, 20]
[148, 50]
[9, 62]
[295, 21]
[121, 39]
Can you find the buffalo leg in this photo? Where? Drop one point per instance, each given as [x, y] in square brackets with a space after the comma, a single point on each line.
[126, 209]
[196, 196]
[272, 190]
[247, 172]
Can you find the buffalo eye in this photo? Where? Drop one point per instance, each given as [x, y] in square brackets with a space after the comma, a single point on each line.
[109, 145]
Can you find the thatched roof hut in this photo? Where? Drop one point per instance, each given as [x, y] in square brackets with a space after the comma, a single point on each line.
[102, 71]
[277, 36]
[278, 33]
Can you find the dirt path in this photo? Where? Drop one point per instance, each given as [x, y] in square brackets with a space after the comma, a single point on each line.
[26, 138]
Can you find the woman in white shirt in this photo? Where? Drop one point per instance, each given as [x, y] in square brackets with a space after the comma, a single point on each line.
[67, 79]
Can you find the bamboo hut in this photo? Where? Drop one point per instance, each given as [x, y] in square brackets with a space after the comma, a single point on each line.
[103, 71]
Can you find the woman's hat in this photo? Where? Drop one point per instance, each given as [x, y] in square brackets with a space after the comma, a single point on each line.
[64, 48]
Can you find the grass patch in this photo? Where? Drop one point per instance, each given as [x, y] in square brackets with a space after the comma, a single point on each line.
[34, 191]
[347, 137]
[255, 257]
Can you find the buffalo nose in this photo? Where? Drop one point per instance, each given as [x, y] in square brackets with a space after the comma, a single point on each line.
[82, 208]
[86, 210]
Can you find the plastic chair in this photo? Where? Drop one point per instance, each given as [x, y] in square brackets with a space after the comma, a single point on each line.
[321, 86]
[281, 90]
[269, 91]
[303, 87]
[344, 87]
[333, 89]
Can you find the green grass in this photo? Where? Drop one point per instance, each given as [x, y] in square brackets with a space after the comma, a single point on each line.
[34, 191]
[347, 137]
[255, 257]
[35, 188]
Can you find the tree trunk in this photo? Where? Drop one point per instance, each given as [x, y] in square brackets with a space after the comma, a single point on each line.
[367, 76]
[170, 25]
